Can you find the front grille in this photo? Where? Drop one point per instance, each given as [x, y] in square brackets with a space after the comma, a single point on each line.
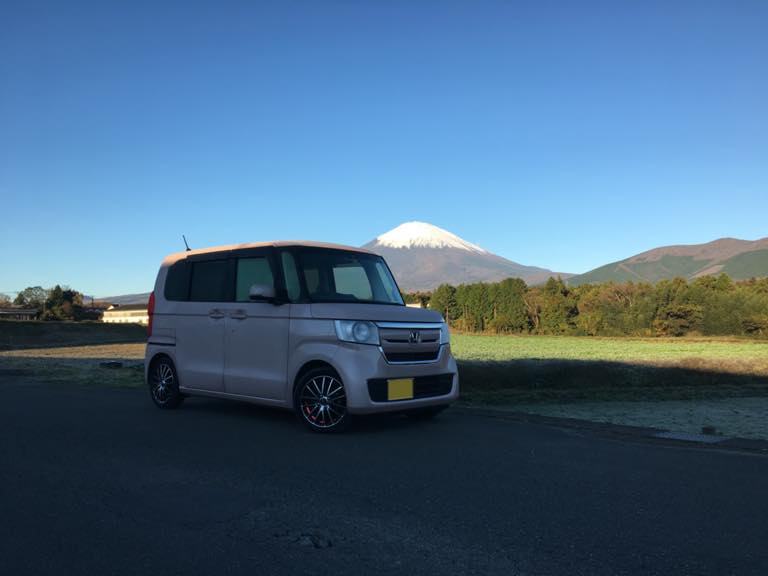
[410, 344]
[412, 356]
[423, 387]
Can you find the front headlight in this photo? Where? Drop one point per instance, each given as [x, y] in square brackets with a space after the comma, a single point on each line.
[445, 336]
[358, 331]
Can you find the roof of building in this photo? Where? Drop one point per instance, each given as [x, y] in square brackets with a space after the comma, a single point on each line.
[18, 310]
[127, 308]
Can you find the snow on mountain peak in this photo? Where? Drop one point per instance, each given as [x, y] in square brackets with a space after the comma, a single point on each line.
[423, 235]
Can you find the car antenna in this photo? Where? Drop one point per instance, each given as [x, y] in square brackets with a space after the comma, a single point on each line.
[185, 242]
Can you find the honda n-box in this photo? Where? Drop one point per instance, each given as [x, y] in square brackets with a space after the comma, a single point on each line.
[317, 328]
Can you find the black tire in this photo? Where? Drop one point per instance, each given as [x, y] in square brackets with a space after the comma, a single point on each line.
[426, 413]
[164, 384]
[320, 401]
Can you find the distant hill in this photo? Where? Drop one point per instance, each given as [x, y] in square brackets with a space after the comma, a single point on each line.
[740, 259]
[423, 256]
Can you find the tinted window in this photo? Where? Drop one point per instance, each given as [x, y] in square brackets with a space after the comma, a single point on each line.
[209, 281]
[292, 286]
[252, 271]
[177, 281]
[353, 280]
[340, 276]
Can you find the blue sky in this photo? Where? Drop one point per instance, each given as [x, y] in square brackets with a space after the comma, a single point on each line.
[558, 134]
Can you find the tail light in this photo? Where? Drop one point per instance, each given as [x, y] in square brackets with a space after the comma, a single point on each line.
[150, 312]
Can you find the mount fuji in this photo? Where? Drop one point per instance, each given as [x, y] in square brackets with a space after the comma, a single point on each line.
[423, 256]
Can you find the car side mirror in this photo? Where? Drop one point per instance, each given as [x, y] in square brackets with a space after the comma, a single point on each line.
[261, 292]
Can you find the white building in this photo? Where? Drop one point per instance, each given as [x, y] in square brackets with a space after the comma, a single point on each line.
[16, 313]
[128, 314]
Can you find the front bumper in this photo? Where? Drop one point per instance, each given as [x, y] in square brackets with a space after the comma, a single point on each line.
[357, 364]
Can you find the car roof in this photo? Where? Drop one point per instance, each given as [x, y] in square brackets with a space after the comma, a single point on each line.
[171, 258]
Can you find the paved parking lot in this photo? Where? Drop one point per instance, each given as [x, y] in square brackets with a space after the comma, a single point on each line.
[97, 480]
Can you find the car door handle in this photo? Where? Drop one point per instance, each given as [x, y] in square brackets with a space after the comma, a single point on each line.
[216, 313]
[238, 315]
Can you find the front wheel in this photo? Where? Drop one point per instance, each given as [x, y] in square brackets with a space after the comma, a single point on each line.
[164, 384]
[321, 401]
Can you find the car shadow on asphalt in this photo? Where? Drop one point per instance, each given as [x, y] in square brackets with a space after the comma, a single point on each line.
[230, 409]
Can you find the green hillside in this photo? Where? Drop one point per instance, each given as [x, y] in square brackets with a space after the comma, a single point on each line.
[624, 271]
[747, 265]
[667, 263]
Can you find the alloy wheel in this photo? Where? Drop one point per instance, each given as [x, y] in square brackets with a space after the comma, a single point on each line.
[163, 382]
[323, 402]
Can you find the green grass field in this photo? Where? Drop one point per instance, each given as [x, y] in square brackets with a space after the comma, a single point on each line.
[526, 369]
[502, 348]
[674, 384]
[499, 370]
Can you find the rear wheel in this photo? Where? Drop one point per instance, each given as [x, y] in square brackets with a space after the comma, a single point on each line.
[164, 384]
[320, 401]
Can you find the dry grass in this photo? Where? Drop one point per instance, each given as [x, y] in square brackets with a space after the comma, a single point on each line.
[16, 335]
[134, 351]
[78, 364]
[71, 371]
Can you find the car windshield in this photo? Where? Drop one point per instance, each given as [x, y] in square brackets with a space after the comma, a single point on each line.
[340, 276]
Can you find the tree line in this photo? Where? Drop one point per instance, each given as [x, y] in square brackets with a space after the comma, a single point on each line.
[710, 305]
[57, 303]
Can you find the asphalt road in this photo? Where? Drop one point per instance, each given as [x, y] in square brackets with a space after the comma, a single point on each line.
[99, 481]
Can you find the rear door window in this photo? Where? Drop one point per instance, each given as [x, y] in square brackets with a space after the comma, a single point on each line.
[209, 281]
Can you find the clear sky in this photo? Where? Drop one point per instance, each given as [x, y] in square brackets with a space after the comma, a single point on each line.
[558, 134]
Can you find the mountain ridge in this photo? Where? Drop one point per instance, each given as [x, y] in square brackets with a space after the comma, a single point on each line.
[740, 259]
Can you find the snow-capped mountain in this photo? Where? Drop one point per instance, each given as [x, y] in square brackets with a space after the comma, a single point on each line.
[421, 234]
[423, 256]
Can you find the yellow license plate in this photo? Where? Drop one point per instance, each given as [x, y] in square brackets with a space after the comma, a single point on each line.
[400, 389]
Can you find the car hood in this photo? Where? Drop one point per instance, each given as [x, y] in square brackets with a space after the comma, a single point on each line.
[373, 312]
